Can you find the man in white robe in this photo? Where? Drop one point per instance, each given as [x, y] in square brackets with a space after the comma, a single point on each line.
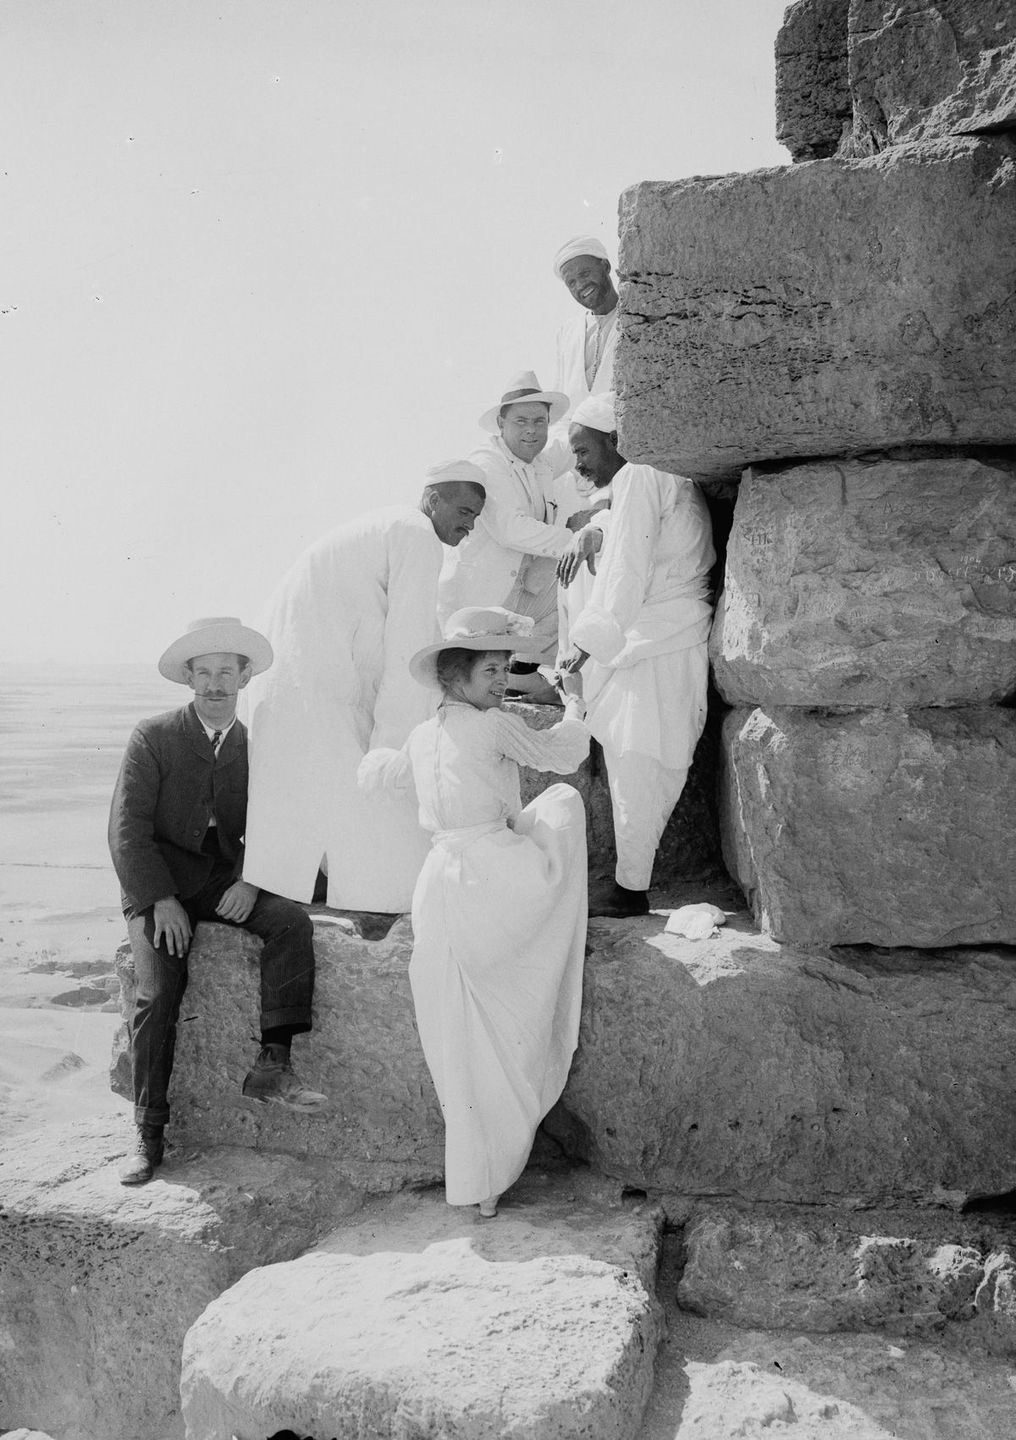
[343, 625]
[640, 642]
[510, 559]
[586, 343]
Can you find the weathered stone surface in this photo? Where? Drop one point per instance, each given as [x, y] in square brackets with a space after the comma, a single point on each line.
[904, 1273]
[425, 1322]
[820, 309]
[382, 1126]
[750, 1070]
[919, 71]
[737, 1067]
[813, 105]
[860, 584]
[876, 827]
[99, 1283]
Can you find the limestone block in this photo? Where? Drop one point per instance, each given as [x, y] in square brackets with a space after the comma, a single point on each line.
[737, 1067]
[813, 105]
[906, 1273]
[728, 1066]
[828, 308]
[919, 71]
[383, 1119]
[488, 1332]
[99, 1283]
[858, 584]
[875, 827]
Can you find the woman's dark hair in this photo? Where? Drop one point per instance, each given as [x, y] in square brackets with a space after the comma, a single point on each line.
[455, 665]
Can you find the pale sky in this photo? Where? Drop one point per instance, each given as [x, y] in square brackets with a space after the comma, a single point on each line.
[263, 263]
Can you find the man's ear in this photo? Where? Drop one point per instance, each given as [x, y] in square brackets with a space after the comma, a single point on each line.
[245, 675]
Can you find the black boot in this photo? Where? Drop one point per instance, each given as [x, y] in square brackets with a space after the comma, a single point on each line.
[139, 1166]
[617, 903]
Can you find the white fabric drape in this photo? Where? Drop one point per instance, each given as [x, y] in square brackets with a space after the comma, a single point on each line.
[343, 625]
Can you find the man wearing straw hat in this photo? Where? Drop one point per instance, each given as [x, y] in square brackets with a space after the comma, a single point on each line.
[511, 557]
[176, 837]
[343, 623]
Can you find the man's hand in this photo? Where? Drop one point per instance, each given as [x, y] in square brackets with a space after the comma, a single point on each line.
[569, 682]
[172, 925]
[583, 517]
[571, 665]
[237, 902]
[585, 545]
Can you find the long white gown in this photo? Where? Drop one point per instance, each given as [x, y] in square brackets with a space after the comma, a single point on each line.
[499, 925]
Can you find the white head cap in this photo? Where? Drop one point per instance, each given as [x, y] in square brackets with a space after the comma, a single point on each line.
[579, 245]
[596, 413]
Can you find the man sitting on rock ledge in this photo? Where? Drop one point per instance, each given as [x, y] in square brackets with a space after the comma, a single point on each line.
[176, 837]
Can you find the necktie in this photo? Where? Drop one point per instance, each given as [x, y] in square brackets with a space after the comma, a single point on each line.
[215, 741]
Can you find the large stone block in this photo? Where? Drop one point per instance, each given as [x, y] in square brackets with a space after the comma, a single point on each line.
[728, 1066]
[920, 71]
[876, 827]
[100, 1283]
[871, 584]
[813, 105]
[517, 1329]
[828, 308]
[905, 1273]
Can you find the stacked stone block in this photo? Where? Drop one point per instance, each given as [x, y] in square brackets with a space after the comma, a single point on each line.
[841, 335]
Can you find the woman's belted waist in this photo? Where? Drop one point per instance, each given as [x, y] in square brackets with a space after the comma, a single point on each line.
[456, 840]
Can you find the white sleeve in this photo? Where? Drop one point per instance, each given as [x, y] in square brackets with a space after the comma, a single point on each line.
[515, 528]
[561, 749]
[624, 568]
[414, 564]
[384, 771]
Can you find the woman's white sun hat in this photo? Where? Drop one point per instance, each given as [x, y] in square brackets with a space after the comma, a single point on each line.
[477, 627]
[220, 634]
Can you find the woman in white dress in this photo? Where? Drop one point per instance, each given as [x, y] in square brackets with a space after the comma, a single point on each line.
[499, 910]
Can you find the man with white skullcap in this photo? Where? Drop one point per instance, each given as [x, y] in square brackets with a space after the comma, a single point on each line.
[585, 344]
[639, 640]
[343, 624]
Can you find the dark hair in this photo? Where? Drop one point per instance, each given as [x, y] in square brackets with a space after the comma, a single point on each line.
[242, 661]
[455, 664]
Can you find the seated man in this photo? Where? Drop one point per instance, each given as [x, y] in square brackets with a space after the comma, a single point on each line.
[640, 642]
[176, 837]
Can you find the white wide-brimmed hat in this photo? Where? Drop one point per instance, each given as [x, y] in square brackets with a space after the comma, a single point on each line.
[522, 390]
[477, 627]
[220, 634]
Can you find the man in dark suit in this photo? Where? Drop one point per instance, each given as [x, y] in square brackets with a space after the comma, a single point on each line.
[176, 837]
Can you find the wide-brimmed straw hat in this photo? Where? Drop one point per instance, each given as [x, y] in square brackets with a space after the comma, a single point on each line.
[523, 390]
[478, 627]
[220, 634]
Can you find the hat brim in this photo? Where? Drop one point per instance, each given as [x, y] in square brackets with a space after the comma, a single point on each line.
[556, 399]
[215, 640]
[423, 666]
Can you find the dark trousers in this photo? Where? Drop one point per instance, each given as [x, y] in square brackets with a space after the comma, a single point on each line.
[287, 983]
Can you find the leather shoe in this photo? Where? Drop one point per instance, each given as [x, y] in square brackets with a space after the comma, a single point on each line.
[272, 1081]
[139, 1166]
[617, 903]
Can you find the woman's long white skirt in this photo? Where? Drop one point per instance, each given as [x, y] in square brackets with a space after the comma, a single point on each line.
[499, 922]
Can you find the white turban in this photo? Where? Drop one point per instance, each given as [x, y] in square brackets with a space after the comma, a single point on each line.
[456, 472]
[596, 413]
[579, 245]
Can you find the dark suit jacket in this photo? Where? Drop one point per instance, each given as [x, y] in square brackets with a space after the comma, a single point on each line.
[170, 785]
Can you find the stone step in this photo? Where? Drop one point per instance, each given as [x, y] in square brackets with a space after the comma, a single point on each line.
[427, 1320]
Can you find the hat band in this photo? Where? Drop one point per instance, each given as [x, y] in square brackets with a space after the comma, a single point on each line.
[513, 395]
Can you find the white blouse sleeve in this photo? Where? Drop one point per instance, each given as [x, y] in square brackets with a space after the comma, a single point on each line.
[561, 749]
[384, 772]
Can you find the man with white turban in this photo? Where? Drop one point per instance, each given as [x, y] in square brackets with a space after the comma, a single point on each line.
[343, 625]
[586, 343]
[640, 641]
[511, 557]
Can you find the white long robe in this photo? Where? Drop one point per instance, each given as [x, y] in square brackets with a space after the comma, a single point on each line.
[646, 621]
[571, 378]
[343, 624]
[510, 558]
[499, 925]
